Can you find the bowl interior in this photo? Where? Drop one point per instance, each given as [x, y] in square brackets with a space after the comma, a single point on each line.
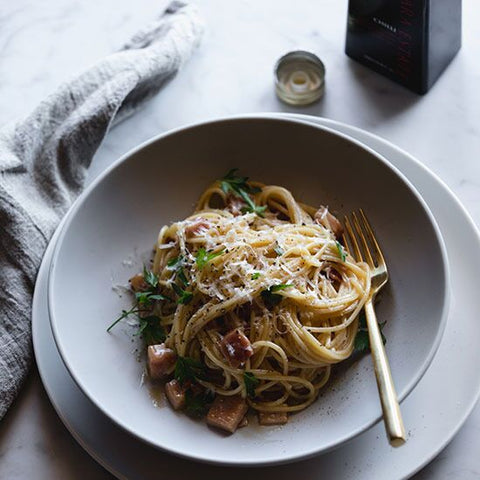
[112, 228]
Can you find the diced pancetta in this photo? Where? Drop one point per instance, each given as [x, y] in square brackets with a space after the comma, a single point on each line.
[227, 412]
[243, 422]
[138, 284]
[161, 361]
[236, 347]
[175, 394]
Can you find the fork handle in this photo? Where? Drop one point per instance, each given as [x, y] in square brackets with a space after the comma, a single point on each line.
[388, 396]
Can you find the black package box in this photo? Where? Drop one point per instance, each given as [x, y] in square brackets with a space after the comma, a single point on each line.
[409, 41]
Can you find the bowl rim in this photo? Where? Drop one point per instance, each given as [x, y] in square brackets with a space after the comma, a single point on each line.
[283, 457]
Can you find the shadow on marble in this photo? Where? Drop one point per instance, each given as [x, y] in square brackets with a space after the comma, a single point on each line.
[383, 96]
[380, 98]
[317, 110]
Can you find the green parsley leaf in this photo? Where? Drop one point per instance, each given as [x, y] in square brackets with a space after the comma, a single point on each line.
[232, 182]
[341, 251]
[260, 211]
[251, 382]
[282, 286]
[362, 321]
[151, 330]
[176, 264]
[146, 298]
[150, 278]
[250, 205]
[384, 338]
[158, 296]
[239, 186]
[197, 405]
[272, 299]
[256, 275]
[184, 297]
[203, 257]
[142, 297]
[125, 314]
[362, 341]
[181, 276]
[188, 369]
[174, 261]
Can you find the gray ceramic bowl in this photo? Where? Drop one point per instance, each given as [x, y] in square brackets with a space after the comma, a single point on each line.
[118, 218]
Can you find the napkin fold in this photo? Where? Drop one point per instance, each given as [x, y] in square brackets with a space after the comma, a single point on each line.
[44, 160]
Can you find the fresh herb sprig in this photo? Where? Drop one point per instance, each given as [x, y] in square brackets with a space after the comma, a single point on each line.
[251, 207]
[203, 257]
[149, 327]
[145, 299]
[196, 405]
[150, 278]
[362, 341]
[341, 251]
[184, 296]
[188, 369]
[125, 314]
[177, 265]
[256, 275]
[240, 187]
[151, 330]
[232, 182]
[270, 297]
[251, 382]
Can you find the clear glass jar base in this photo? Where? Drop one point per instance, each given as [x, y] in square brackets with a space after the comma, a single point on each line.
[299, 78]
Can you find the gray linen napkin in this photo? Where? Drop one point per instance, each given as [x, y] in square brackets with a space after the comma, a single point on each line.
[43, 163]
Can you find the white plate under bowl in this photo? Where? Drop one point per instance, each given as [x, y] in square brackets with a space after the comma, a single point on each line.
[159, 182]
[431, 417]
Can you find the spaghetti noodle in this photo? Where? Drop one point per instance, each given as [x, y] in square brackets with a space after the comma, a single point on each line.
[257, 293]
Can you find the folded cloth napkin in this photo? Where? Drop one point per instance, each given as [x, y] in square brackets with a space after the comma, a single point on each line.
[43, 163]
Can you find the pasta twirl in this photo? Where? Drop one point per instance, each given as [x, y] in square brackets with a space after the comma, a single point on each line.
[259, 293]
[249, 303]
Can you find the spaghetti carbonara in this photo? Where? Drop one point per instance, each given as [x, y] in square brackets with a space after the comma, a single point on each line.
[255, 299]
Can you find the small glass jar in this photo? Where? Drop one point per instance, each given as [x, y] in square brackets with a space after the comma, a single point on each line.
[299, 78]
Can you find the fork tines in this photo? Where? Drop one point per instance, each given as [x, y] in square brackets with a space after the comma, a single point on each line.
[359, 239]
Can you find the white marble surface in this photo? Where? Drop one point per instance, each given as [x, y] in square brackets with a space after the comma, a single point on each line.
[45, 42]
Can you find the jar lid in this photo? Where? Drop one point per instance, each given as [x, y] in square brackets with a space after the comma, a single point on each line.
[299, 78]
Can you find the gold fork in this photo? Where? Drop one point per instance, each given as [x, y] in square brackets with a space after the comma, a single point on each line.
[359, 237]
